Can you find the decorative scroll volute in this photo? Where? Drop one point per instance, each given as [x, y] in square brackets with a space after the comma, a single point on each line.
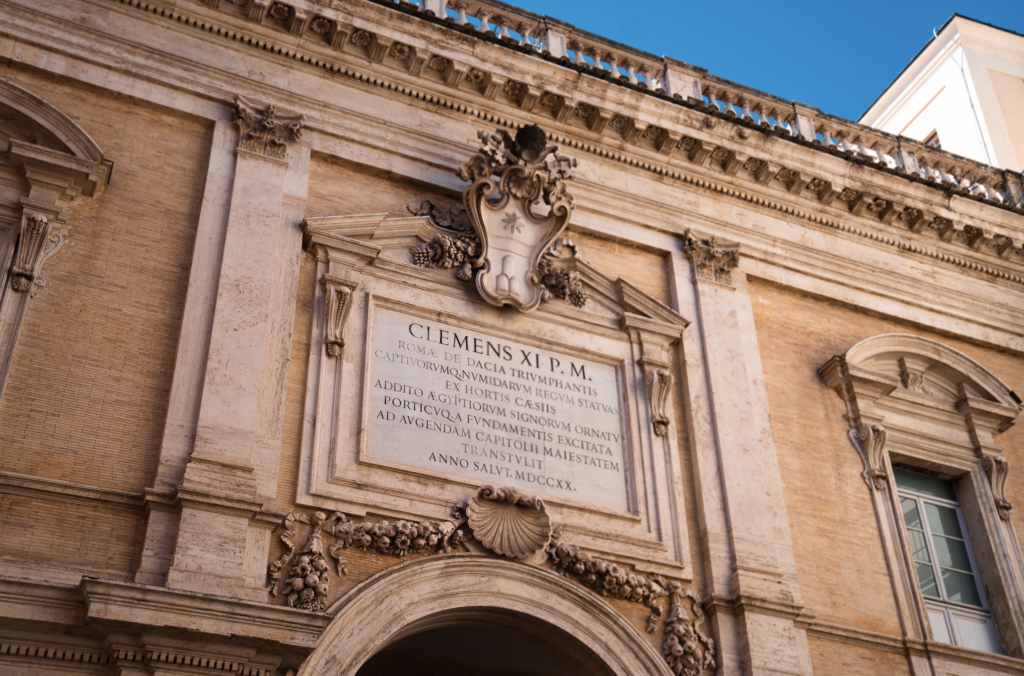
[508, 522]
[36, 243]
[512, 235]
[265, 131]
[336, 309]
[659, 385]
[998, 469]
[870, 441]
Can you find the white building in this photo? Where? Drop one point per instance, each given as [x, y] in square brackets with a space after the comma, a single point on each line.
[964, 92]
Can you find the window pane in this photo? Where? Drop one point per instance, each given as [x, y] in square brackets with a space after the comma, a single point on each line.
[943, 520]
[910, 514]
[939, 627]
[922, 483]
[918, 546]
[951, 553]
[927, 578]
[960, 587]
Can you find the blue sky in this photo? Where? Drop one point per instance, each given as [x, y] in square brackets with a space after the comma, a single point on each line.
[836, 56]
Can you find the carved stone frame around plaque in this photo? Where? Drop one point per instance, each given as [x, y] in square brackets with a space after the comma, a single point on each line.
[620, 326]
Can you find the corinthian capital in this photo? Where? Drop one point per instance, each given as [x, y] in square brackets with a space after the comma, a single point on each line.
[712, 258]
[265, 131]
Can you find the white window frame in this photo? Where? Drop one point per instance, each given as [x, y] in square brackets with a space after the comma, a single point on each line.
[950, 610]
[918, 403]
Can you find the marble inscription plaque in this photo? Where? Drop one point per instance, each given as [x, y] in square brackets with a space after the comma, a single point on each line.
[498, 411]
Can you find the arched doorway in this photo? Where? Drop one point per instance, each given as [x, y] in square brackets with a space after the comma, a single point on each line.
[422, 615]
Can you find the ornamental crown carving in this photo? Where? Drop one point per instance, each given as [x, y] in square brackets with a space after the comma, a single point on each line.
[712, 258]
[508, 179]
[265, 131]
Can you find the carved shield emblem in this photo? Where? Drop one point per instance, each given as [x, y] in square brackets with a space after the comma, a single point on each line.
[518, 204]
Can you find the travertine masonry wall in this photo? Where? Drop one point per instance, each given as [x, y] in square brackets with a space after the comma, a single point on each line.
[842, 572]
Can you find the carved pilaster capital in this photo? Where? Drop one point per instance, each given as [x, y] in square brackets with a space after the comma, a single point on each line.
[998, 469]
[265, 131]
[713, 259]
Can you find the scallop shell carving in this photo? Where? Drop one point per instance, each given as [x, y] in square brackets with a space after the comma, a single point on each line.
[508, 522]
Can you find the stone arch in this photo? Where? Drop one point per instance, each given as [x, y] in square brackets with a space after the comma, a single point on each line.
[440, 591]
[53, 128]
[940, 366]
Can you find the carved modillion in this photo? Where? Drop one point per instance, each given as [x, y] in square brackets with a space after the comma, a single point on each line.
[508, 522]
[265, 131]
[336, 308]
[998, 469]
[659, 385]
[870, 441]
[35, 245]
[713, 260]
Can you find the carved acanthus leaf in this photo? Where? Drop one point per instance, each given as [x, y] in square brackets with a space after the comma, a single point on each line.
[265, 132]
[659, 385]
[508, 522]
[998, 470]
[713, 259]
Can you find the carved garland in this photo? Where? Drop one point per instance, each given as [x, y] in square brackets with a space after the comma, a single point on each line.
[509, 523]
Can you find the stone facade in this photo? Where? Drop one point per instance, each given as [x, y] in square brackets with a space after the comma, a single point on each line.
[331, 327]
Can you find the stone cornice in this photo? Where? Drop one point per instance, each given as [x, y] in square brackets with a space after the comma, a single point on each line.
[972, 241]
[13, 483]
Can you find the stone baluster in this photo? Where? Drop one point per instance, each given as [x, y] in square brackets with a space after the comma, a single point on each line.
[484, 15]
[630, 71]
[577, 49]
[826, 136]
[745, 110]
[460, 7]
[526, 31]
[775, 115]
[762, 116]
[613, 65]
[435, 7]
[502, 24]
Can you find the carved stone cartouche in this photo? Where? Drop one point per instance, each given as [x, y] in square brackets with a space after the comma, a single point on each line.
[508, 522]
[513, 236]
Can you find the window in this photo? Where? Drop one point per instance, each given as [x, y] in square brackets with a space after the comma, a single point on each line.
[945, 565]
[932, 141]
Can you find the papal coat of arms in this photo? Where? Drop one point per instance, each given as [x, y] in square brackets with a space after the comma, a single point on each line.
[518, 204]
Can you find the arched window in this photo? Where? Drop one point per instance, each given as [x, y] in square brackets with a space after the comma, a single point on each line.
[923, 417]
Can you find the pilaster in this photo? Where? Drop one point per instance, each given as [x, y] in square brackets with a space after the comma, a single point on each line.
[231, 475]
[756, 608]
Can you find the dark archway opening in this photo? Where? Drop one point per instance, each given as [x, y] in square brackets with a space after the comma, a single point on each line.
[484, 644]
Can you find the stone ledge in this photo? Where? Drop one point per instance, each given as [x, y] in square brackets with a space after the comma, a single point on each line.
[144, 606]
[13, 483]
